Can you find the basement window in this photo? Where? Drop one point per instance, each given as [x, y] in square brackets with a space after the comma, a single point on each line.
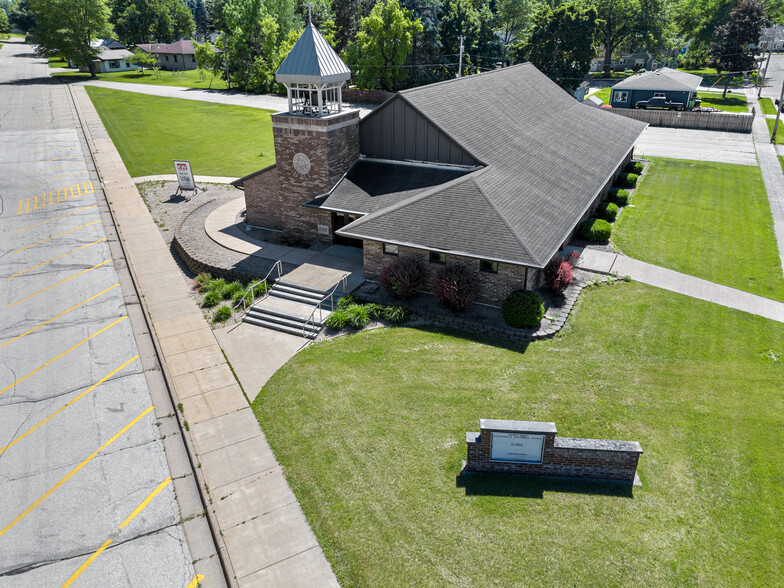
[390, 249]
[488, 266]
[436, 257]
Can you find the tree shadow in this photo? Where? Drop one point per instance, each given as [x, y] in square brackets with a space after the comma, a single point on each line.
[31, 82]
[520, 486]
[485, 339]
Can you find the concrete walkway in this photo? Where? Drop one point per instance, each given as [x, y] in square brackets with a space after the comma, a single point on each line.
[262, 534]
[620, 265]
[718, 146]
[771, 171]
[173, 178]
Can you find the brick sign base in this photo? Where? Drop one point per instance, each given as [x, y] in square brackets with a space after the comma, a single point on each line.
[533, 448]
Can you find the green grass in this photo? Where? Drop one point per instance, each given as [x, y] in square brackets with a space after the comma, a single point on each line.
[779, 131]
[767, 106]
[150, 131]
[732, 103]
[58, 62]
[186, 79]
[603, 95]
[710, 220]
[370, 430]
[710, 77]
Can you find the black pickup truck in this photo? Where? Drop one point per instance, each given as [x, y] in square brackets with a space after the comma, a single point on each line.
[659, 103]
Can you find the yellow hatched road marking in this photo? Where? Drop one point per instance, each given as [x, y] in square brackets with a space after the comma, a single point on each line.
[55, 196]
[67, 404]
[108, 542]
[73, 472]
[55, 236]
[59, 315]
[67, 351]
[195, 582]
[58, 283]
[55, 218]
[58, 257]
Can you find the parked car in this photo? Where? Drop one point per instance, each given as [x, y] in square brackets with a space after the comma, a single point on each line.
[705, 109]
[659, 103]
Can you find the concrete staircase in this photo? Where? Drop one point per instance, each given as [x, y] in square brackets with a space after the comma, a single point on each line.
[288, 308]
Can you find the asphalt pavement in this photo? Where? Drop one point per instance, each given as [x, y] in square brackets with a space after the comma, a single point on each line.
[87, 491]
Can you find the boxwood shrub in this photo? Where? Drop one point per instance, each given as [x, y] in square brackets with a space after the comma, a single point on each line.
[595, 229]
[608, 211]
[627, 180]
[523, 309]
[619, 196]
[633, 167]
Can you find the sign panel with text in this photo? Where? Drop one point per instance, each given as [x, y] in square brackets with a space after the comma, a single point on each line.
[184, 175]
[517, 447]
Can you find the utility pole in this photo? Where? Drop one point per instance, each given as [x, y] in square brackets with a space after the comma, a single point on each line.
[460, 66]
[778, 114]
[767, 63]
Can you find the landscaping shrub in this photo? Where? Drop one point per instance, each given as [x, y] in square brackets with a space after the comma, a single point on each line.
[346, 301]
[375, 311]
[338, 319]
[395, 314]
[229, 290]
[222, 314]
[236, 297]
[216, 285]
[403, 277]
[455, 287]
[595, 229]
[633, 167]
[212, 298]
[627, 180]
[558, 275]
[357, 316]
[201, 281]
[619, 196]
[608, 211]
[523, 309]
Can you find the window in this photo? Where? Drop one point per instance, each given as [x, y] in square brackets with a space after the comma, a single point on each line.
[167, 58]
[436, 257]
[620, 96]
[639, 62]
[659, 95]
[114, 64]
[488, 266]
[390, 249]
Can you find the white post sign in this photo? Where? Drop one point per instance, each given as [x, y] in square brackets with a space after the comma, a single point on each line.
[516, 447]
[184, 175]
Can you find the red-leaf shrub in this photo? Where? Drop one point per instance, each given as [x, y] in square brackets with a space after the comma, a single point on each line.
[403, 277]
[558, 273]
[455, 287]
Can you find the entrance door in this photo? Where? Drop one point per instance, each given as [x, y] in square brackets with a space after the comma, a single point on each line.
[340, 220]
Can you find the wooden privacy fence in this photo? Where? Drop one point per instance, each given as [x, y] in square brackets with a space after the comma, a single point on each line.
[736, 122]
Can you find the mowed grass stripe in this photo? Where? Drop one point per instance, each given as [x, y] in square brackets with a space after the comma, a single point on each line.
[218, 139]
[709, 220]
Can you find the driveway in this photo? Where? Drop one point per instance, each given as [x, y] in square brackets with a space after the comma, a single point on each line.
[716, 146]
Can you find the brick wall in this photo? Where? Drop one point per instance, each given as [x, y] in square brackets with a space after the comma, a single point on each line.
[494, 288]
[575, 458]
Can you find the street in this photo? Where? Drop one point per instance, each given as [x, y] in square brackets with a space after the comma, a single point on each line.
[87, 492]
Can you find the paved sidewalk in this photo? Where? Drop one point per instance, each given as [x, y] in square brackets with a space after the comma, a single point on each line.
[620, 265]
[173, 178]
[771, 171]
[263, 536]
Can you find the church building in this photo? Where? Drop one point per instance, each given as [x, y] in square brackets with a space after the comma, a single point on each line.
[493, 171]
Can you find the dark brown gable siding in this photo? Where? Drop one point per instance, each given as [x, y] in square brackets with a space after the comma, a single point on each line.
[397, 131]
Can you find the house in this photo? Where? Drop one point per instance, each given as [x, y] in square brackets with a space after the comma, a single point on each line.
[172, 56]
[492, 171]
[671, 84]
[112, 56]
[636, 61]
[772, 38]
[108, 43]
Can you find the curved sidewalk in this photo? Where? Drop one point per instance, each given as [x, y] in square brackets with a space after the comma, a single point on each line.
[653, 275]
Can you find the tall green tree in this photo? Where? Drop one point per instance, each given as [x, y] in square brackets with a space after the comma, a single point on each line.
[216, 14]
[733, 48]
[348, 16]
[513, 18]
[200, 19]
[563, 43]
[5, 24]
[145, 21]
[383, 44]
[21, 15]
[461, 18]
[426, 53]
[250, 45]
[66, 27]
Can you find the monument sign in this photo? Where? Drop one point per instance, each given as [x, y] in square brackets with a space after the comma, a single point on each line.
[516, 447]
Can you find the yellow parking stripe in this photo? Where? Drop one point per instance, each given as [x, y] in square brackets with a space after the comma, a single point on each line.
[58, 283]
[55, 196]
[195, 582]
[108, 542]
[59, 315]
[73, 472]
[40, 367]
[55, 236]
[55, 218]
[67, 404]
[58, 257]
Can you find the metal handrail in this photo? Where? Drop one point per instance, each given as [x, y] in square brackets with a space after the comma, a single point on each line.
[277, 265]
[312, 318]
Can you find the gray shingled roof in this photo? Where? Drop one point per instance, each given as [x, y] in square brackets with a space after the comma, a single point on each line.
[312, 61]
[664, 78]
[547, 158]
[372, 185]
[107, 54]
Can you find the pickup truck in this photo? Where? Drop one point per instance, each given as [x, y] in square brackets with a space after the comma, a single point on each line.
[659, 103]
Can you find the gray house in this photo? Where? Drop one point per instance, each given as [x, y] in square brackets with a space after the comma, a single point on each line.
[671, 84]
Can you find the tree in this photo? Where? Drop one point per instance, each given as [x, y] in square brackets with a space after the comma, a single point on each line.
[250, 45]
[461, 18]
[142, 60]
[66, 27]
[200, 19]
[383, 44]
[732, 50]
[426, 53]
[513, 18]
[563, 43]
[143, 21]
[5, 25]
[21, 16]
[348, 16]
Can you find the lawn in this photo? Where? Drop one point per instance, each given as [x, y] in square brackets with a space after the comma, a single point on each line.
[779, 131]
[603, 95]
[370, 430]
[59, 62]
[150, 131]
[731, 103]
[192, 78]
[710, 77]
[710, 220]
[767, 106]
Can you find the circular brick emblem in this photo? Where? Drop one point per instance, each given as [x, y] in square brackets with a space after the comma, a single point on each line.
[301, 163]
